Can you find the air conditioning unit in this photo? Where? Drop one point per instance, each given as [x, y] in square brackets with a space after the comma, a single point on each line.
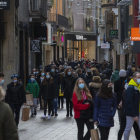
[35, 5]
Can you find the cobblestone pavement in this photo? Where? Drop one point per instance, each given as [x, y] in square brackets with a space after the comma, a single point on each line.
[58, 128]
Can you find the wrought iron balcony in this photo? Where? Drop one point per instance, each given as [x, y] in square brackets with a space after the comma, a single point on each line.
[38, 10]
[108, 4]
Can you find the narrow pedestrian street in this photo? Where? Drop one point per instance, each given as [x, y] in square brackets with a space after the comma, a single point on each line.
[58, 128]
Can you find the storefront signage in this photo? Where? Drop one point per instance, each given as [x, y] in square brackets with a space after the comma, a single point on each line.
[113, 33]
[105, 46]
[135, 34]
[80, 37]
[35, 45]
[5, 5]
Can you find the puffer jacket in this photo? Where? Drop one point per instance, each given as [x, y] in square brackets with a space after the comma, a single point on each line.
[68, 86]
[115, 76]
[94, 88]
[15, 94]
[104, 111]
[33, 88]
[8, 128]
[47, 91]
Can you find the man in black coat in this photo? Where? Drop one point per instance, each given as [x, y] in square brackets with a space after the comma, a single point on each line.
[88, 77]
[108, 72]
[129, 71]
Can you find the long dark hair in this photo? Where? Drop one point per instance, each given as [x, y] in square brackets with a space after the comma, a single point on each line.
[105, 93]
[45, 81]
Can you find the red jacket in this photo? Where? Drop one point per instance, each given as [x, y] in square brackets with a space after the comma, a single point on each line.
[78, 106]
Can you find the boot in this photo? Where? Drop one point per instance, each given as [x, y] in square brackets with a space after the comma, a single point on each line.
[32, 114]
[52, 114]
[35, 113]
[56, 114]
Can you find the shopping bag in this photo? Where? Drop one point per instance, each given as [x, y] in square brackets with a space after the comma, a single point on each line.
[94, 134]
[29, 99]
[25, 113]
[60, 92]
[42, 103]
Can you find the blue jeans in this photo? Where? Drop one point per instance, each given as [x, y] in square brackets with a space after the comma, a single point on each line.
[54, 106]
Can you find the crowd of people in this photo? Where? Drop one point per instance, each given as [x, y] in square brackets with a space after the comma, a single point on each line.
[89, 88]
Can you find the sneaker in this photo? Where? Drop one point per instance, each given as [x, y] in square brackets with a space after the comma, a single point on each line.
[44, 116]
[56, 114]
[49, 117]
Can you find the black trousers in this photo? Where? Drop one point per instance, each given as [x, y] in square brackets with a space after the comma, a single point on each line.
[104, 131]
[69, 106]
[80, 126]
[40, 102]
[60, 98]
[16, 111]
[122, 128]
[49, 102]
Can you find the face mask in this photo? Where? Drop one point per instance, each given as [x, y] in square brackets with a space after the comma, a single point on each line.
[2, 81]
[36, 72]
[41, 69]
[15, 81]
[33, 72]
[65, 67]
[48, 76]
[138, 81]
[110, 88]
[32, 79]
[81, 86]
[43, 74]
[56, 70]
[52, 70]
[69, 73]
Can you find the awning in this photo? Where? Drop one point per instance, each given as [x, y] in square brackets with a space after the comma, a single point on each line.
[124, 2]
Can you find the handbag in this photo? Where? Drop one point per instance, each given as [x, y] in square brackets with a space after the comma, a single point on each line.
[94, 134]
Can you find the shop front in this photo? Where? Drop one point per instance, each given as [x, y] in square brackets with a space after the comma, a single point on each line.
[80, 46]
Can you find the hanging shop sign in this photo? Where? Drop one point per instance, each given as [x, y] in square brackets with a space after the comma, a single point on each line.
[135, 34]
[5, 5]
[105, 46]
[40, 32]
[113, 33]
[35, 45]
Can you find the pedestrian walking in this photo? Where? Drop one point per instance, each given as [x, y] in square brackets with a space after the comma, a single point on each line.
[105, 105]
[33, 88]
[80, 94]
[47, 93]
[129, 71]
[15, 97]
[8, 128]
[68, 86]
[115, 76]
[132, 107]
[88, 77]
[123, 116]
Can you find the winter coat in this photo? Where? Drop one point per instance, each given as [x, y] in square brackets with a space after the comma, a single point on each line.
[8, 128]
[104, 111]
[94, 88]
[33, 88]
[88, 79]
[118, 88]
[108, 73]
[129, 73]
[78, 105]
[132, 100]
[15, 94]
[68, 86]
[71, 64]
[103, 77]
[47, 91]
[115, 76]
[56, 82]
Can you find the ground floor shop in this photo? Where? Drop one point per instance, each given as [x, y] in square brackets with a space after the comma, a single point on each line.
[80, 46]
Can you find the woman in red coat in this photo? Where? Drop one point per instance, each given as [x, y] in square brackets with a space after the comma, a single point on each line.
[80, 94]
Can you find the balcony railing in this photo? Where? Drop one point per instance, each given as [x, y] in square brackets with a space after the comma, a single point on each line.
[38, 9]
[60, 20]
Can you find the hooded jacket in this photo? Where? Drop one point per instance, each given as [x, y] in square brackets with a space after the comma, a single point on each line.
[132, 99]
[33, 88]
[8, 129]
[94, 88]
[115, 76]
